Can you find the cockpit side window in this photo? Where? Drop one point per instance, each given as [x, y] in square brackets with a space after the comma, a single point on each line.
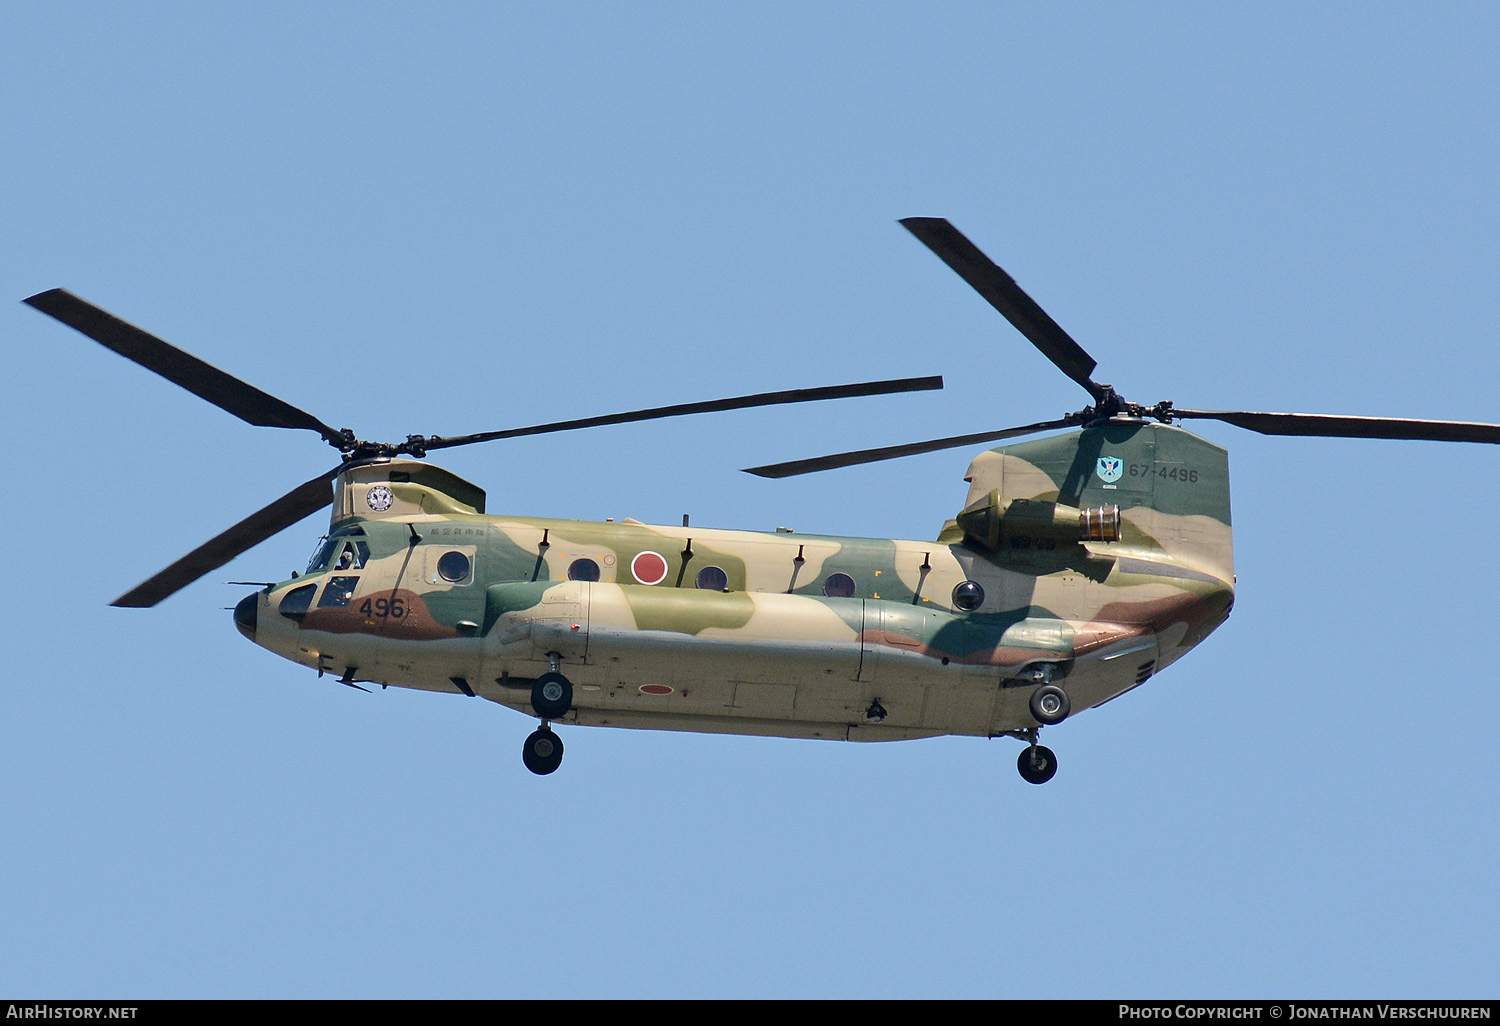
[339, 593]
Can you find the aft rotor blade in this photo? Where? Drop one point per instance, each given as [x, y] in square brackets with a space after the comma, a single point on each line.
[202, 379]
[891, 452]
[1000, 289]
[796, 395]
[306, 498]
[1319, 425]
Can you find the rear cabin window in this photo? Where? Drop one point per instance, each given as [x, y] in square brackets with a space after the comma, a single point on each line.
[712, 578]
[968, 596]
[583, 570]
[839, 586]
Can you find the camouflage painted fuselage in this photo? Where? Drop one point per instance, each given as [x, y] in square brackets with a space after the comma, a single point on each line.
[778, 633]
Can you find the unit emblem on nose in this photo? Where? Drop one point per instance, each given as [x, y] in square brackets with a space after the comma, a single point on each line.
[379, 498]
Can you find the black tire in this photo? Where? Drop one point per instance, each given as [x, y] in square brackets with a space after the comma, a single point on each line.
[551, 695]
[1037, 764]
[542, 752]
[1050, 704]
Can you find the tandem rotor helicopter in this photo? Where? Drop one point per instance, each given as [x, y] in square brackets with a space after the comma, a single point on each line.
[1079, 566]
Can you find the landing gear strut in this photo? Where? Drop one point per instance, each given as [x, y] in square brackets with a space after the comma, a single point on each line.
[551, 698]
[551, 695]
[1037, 763]
[1049, 704]
[543, 751]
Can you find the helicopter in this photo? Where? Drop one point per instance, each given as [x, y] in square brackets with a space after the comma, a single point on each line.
[1079, 566]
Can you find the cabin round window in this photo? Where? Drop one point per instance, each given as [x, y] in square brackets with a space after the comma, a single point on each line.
[583, 570]
[968, 596]
[453, 566]
[711, 578]
[839, 586]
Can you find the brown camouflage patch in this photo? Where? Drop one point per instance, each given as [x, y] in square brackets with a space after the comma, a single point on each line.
[399, 616]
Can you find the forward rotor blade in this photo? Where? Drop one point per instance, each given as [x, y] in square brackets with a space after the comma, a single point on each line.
[891, 452]
[1319, 425]
[306, 498]
[796, 395]
[202, 379]
[1000, 289]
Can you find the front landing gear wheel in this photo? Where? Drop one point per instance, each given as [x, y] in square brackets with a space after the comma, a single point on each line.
[1049, 704]
[551, 696]
[543, 751]
[1037, 764]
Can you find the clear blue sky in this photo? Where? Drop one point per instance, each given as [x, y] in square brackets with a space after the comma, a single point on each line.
[459, 217]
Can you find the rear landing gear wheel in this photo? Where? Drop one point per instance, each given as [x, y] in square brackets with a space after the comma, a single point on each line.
[1049, 704]
[543, 751]
[551, 696]
[1037, 764]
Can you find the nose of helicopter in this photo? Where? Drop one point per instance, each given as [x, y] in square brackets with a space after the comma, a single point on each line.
[244, 614]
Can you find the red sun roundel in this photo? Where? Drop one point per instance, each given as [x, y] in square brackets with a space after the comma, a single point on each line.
[649, 567]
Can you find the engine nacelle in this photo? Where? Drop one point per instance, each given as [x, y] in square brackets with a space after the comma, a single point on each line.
[996, 521]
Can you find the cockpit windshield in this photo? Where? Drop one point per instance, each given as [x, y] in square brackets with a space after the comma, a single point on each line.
[322, 555]
[343, 550]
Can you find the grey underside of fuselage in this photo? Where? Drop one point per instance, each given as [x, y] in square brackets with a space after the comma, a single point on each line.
[817, 690]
